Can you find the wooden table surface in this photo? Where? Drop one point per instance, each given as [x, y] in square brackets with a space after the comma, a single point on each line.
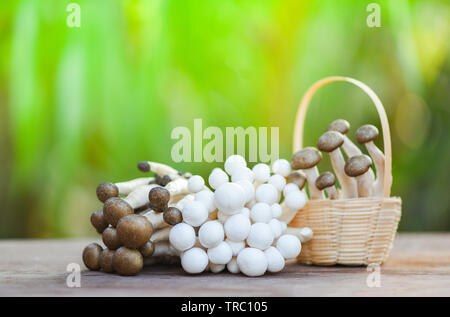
[419, 265]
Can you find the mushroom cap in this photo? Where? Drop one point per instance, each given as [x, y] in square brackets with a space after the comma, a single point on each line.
[134, 231]
[110, 238]
[339, 125]
[147, 249]
[357, 165]
[326, 179]
[306, 158]
[98, 221]
[106, 191]
[159, 198]
[252, 262]
[237, 227]
[289, 246]
[91, 255]
[194, 260]
[144, 166]
[330, 141]
[210, 234]
[127, 261]
[162, 180]
[172, 216]
[106, 260]
[116, 208]
[366, 133]
[298, 178]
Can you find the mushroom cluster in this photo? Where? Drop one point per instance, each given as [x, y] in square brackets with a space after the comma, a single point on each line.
[239, 224]
[355, 175]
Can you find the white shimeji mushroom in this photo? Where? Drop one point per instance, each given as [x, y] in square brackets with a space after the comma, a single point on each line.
[260, 236]
[216, 268]
[242, 173]
[217, 178]
[261, 172]
[232, 266]
[230, 198]
[206, 197]
[275, 261]
[182, 237]
[261, 212]
[196, 183]
[211, 233]
[281, 167]
[194, 261]
[276, 210]
[249, 189]
[295, 200]
[289, 246]
[237, 227]
[236, 247]
[220, 254]
[276, 227]
[194, 213]
[252, 262]
[233, 162]
[278, 182]
[267, 193]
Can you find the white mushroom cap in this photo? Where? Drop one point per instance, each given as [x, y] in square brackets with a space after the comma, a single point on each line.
[252, 262]
[222, 217]
[211, 233]
[260, 236]
[233, 162]
[194, 213]
[217, 178]
[289, 246]
[216, 268]
[266, 193]
[278, 182]
[245, 212]
[194, 261]
[276, 227]
[275, 260]
[233, 267]
[295, 200]
[276, 210]
[230, 198]
[236, 247]
[206, 197]
[261, 172]
[261, 212]
[182, 236]
[282, 167]
[220, 254]
[242, 173]
[289, 188]
[249, 189]
[196, 183]
[237, 227]
[307, 234]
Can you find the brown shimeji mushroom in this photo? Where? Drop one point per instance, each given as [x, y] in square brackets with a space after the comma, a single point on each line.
[116, 208]
[159, 198]
[147, 249]
[157, 168]
[357, 166]
[330, 142]
[91, 255]
[307, 159]
[298, 178]
[110, 238]
[172, 216]
[98, 221]
[106, 260]
[366, 135]
[108, 190]
[127, 261]
[134, 231]
[350, 148]
[326, 181]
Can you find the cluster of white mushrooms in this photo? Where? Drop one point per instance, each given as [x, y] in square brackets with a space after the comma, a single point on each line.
[239, 224]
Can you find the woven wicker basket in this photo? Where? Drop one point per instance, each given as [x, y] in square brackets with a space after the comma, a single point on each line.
[357, 231]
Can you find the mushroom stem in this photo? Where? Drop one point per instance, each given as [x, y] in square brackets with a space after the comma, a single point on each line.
[348, 185]
[164, 248]
[158, 168]
[139, 196]
[156, 219]
[178, 187]
[364, 185]
[125, 188]
[311, 176]
[358, 166]
[287, 214]
[161, 235]
[303, 234]
[378, 160]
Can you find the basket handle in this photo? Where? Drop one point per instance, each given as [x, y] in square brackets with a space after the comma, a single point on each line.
[301, 113]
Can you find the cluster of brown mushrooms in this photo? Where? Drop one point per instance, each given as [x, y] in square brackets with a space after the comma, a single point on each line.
[136, 219]
[355, 174]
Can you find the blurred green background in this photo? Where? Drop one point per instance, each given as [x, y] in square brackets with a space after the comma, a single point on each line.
[79, 106]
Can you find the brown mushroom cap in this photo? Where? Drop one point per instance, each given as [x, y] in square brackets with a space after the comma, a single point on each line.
[330, 140]
[127, 261]
[159, 198]
[111, 239]
[147, 249]
[134, 231]
[297, 178]
[144, 166]
[98, 221]
[339, 125]
[172, 216]
[162, 180]
[357, 165]
[106, 191]
[114, 209]
[306, 158]
[366, 133]
[91, 255]
[106, 260]
[325, 180]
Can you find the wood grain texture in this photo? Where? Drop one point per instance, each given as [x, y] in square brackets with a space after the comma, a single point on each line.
[419, 265]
